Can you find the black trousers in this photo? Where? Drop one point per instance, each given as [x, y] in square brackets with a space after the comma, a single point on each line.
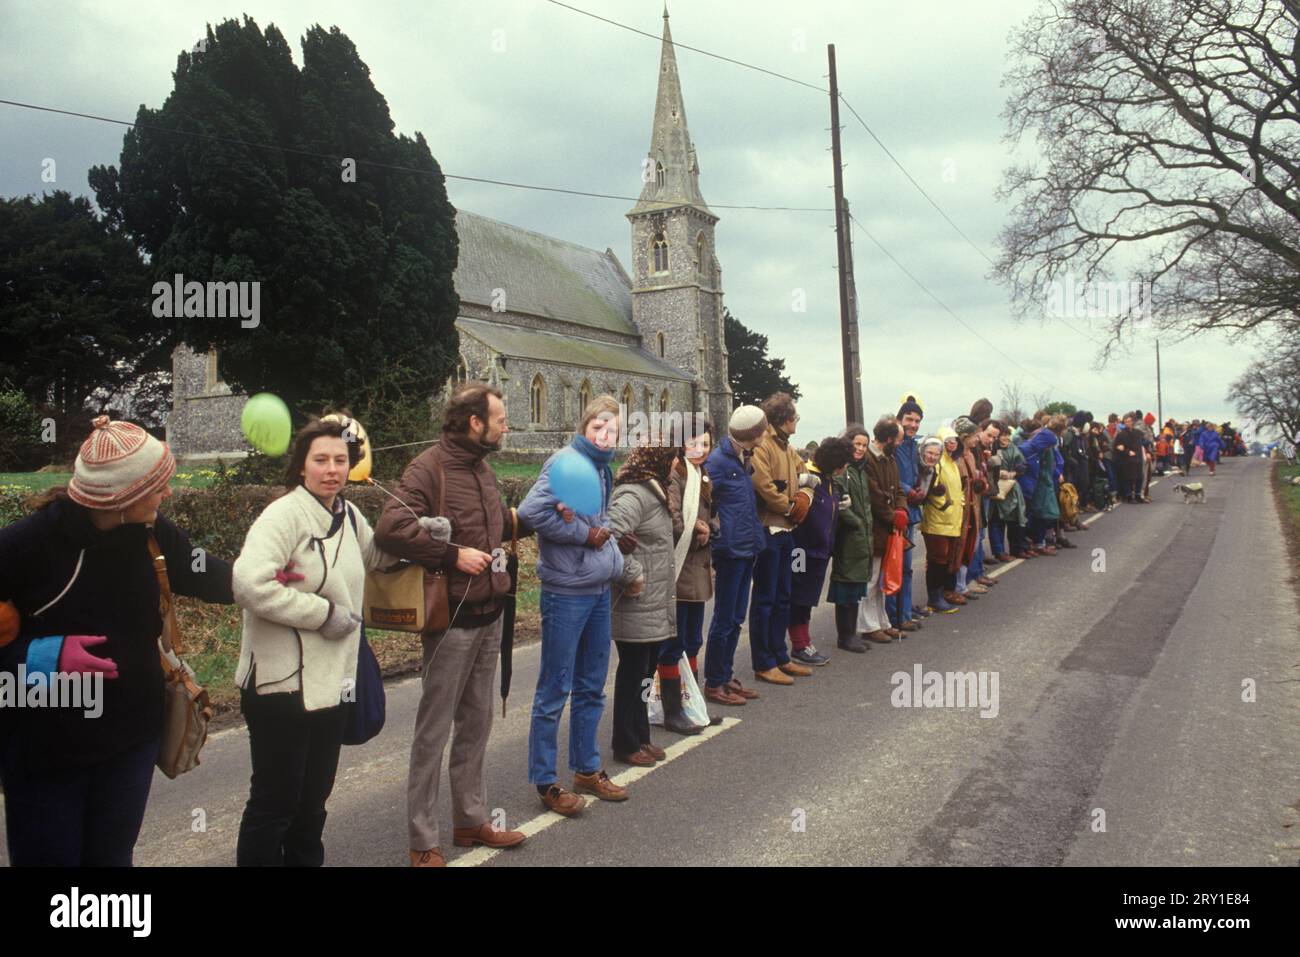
[636, 664]
[295, 757]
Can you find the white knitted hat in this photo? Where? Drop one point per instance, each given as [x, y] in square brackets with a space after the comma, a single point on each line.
[747, 423]
[118, 465]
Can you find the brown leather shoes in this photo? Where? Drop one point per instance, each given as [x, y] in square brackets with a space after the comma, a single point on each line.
[639, 758]
[430, 858]
[986, 581]
[654, 751]
[563, 802]
[600, 785]
[735, 687]
[892, 633]
[774, 676]
[952, 598]
[879, 637]
[723, 695]
[486, 835]
[910, 625]
[796, 669]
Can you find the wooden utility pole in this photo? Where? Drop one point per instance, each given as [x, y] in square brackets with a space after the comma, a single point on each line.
[848, 319]
[1160, 411]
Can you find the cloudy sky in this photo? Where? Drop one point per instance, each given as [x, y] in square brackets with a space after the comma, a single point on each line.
[528, 91]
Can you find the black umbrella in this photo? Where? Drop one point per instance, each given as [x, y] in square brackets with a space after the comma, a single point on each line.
[508, 627]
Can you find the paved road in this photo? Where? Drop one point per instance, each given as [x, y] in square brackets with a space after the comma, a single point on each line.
[1120, 702]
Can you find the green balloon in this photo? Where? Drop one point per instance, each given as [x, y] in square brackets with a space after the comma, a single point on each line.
[266, 423]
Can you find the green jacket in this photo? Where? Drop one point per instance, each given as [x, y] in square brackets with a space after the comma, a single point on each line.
[851, 556]
[1012, 508]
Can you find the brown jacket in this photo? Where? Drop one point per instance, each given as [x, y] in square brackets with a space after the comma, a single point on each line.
[777, 468]
[887, 495]
[695, 583]
[478, 520]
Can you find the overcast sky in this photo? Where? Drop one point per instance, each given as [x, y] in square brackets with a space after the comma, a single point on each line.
[528, 91]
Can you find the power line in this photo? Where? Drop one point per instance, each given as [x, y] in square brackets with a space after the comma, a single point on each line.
[385, 166]
[969, 328]
[870, 132]
[716, 56]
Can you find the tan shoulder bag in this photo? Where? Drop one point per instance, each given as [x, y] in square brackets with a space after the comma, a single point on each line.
[187, 709]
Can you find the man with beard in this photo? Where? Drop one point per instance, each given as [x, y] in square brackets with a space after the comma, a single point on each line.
[450, 519]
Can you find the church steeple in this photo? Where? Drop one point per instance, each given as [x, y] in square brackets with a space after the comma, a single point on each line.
[672, 172]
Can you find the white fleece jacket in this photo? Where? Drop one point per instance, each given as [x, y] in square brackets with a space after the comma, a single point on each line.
[280, 625]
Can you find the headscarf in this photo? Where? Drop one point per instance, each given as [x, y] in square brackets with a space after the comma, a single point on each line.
[647, 462]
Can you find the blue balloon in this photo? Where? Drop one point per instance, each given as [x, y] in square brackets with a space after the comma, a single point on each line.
[575, 483]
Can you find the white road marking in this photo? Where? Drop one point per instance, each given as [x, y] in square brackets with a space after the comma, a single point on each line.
[481, 855]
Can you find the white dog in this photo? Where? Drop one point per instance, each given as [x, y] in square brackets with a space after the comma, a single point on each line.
[1192, 492]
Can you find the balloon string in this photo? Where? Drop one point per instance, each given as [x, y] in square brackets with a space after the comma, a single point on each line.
[407, 507]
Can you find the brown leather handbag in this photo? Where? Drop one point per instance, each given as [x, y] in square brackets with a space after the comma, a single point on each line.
[187, 711]
[407, 597]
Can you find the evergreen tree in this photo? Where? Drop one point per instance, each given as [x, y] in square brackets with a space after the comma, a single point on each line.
[752, 374]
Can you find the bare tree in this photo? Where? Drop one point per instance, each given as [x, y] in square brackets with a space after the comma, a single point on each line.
[1013, 402]
[1169, 133]
[1269, 393]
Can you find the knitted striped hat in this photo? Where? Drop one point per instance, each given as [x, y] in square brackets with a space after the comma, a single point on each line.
[119, 465]
[747, 423]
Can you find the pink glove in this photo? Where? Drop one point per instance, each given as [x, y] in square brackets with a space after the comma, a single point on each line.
[287, 574]
[74, 657]
[900, 520]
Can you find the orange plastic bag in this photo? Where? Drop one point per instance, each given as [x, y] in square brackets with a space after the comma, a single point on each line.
[891, 569]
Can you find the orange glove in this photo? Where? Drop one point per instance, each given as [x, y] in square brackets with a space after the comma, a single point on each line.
[800, 504]
[8, 622]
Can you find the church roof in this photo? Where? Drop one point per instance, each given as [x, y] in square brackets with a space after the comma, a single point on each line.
[541, 275]
[522, 343]
[670, 144]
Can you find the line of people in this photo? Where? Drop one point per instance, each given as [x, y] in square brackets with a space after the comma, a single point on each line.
[741, 519]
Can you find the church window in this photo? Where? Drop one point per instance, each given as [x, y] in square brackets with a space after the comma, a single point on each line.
[661, 175]
[584, 396]
[663, 346]
[211, 377]
[660, 244]
[462, 370]
[537, 401]
[663, 401]
[701, 257]
[627, 398]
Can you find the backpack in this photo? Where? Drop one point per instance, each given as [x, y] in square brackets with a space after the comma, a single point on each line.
[1068, 499]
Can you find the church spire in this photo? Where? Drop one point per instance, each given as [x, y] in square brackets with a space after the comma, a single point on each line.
[672, 173]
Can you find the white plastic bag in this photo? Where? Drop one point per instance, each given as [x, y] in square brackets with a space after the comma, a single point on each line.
[693, 704]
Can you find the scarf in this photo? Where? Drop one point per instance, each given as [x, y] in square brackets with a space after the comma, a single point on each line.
[601, 459]
[645, 463]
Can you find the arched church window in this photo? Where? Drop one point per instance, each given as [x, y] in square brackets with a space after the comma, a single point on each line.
[663, 401]
[462, 370]
[701, 257]
[627, 399]
[584, 396]
[537, 401]
[663, 346]
[661, 174]
[660, 244]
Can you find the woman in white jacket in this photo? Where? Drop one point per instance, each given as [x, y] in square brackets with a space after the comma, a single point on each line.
[300, 579]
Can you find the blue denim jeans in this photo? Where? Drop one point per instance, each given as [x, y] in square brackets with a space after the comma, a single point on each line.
[690, 634]
[977, 560]
[769, 606]
[731, 581]
[998, 537]
[574, 665]
[899, 604]
[76, 817]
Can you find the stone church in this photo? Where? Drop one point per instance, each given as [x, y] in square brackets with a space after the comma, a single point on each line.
[552, 323]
